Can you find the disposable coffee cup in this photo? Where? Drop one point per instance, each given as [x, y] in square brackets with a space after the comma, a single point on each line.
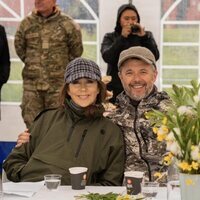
[78, 177]
[133, 180]
[52, 181]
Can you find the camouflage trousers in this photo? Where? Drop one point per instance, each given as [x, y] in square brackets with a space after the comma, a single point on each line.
[33, 102]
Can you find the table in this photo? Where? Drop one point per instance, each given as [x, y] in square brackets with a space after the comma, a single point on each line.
[66, 193]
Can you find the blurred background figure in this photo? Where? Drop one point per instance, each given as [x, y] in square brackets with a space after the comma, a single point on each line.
[46, 41]
[128, 32]
[4, 59]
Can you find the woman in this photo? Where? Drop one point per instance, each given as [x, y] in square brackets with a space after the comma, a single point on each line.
[75, 134]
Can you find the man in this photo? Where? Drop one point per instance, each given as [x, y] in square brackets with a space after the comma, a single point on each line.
[45, 41]
[138, 72]
[4, 59]
[128, 32]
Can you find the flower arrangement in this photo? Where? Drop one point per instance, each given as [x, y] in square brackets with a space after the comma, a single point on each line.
[179, 127]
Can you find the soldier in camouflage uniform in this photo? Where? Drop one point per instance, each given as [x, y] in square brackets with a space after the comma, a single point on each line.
[137, 71]
[45, 41]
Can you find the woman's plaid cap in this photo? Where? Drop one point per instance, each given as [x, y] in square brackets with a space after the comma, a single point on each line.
[82, 68]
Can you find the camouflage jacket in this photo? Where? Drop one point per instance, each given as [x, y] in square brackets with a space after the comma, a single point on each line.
[143, 151]
[46, 45]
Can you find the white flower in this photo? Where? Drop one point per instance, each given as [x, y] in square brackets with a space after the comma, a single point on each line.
[185, 110]
[170, 136]
[174, 148]
[195, 153]
[196, 98]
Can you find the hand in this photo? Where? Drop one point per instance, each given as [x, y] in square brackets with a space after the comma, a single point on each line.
[126, 30]
[141, 31]
[23, 138]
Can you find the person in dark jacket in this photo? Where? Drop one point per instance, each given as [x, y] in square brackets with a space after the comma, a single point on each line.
[138, 73]
[75, 134]
[4, 59]
[128, 32]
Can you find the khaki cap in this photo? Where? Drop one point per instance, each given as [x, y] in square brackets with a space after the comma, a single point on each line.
[139, 52]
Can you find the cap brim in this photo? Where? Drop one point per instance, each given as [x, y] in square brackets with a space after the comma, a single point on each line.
[135, 56]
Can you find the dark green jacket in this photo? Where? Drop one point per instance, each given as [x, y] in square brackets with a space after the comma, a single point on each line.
[61, 139]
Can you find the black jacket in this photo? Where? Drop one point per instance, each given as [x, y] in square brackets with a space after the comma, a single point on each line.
[113, 44]
[4, 57]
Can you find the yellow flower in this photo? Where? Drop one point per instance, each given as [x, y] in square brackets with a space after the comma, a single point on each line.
[155, 130]
[164, 121]
[125, 197]
[164, 129]
[168, 159]
[161, 137]
[158, 175]
[195, 165]
[146, 115]
[185, 166]
[162, 133]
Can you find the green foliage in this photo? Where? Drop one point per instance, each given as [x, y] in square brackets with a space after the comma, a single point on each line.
[97, 196]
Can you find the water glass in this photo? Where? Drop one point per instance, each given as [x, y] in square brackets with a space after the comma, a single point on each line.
[173, 190]
[150, 189]
[52, 181]
[173, 185]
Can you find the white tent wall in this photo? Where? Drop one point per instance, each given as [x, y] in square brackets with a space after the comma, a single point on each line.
[12, 123]
[149, 11]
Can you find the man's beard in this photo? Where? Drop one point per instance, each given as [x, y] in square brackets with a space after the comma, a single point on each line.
[140, 97]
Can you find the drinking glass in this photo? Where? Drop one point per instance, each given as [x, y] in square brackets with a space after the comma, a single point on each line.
[52, 181]
[173, 185]
[173, 190]
[150, 189]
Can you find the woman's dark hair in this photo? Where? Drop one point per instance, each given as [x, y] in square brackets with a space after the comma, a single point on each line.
[121, 9]
[91, 109]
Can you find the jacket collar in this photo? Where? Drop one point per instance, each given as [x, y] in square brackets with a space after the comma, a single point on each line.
[55, 12]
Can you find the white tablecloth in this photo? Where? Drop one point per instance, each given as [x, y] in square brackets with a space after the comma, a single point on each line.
[66, 193]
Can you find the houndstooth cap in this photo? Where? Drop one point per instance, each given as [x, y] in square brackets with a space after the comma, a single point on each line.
[82, 68]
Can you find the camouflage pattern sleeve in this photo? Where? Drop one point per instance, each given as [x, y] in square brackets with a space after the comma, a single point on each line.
[74, 38]
[20, 42]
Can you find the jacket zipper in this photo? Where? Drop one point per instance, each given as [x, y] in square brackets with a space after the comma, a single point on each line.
[81, 142]
[71, 130]
[140, 148]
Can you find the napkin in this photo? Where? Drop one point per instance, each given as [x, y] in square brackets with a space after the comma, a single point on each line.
[26, 189]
